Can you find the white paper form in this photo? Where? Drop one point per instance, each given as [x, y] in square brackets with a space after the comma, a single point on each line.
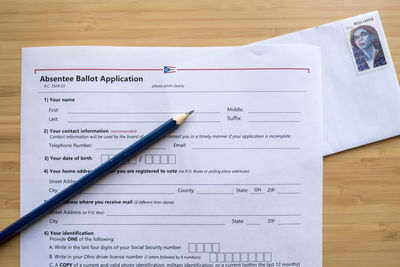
[240, 182]
[361, 92]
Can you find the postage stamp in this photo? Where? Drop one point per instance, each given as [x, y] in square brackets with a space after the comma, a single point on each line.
[363, 38]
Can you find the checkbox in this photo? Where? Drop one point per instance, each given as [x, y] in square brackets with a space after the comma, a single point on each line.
[171, 159]
[208, 247]
[104, 158]
[252, 257]
[192, 247]
[200, 248]
[215, 247]
[164, 159]
[156, 159]
[213, 257]
[148, 159]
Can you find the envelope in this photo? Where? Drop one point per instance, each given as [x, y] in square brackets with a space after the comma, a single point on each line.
[361, 95]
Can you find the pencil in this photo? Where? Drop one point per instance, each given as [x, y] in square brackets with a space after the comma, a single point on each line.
[92, 177]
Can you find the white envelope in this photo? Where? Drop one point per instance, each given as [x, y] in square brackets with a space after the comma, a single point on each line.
[361, 95]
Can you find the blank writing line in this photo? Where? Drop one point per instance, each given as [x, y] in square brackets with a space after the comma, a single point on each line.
[288, 193]
[138, 121]
[274, 121]
[273, 112]
[161, 224]
[118, 148]
[204, 215]
[215, 193]
[200, 184]
[222, 148]
[115, 121]
[197, 112]
[203, 121]
[289, 223]
[128, 193]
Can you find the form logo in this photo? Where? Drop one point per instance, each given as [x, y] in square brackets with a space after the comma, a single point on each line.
[169, 69]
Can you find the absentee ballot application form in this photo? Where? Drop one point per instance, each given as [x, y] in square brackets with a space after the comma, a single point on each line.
[238, 184]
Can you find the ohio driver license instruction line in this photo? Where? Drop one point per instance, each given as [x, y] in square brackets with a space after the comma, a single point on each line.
[238, 184]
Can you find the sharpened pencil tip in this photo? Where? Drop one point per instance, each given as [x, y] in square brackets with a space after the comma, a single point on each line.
[182, 117]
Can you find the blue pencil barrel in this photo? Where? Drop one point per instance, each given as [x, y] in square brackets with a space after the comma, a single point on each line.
[87, 180]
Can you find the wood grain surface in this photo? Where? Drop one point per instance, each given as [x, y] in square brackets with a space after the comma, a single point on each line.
[361, 221]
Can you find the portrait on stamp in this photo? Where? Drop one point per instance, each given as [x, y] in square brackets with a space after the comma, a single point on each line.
[367, 48]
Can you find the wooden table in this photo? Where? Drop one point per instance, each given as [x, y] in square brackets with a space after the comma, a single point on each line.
[361, 186]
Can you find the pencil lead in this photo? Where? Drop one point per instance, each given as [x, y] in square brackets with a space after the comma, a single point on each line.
[190, 112]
